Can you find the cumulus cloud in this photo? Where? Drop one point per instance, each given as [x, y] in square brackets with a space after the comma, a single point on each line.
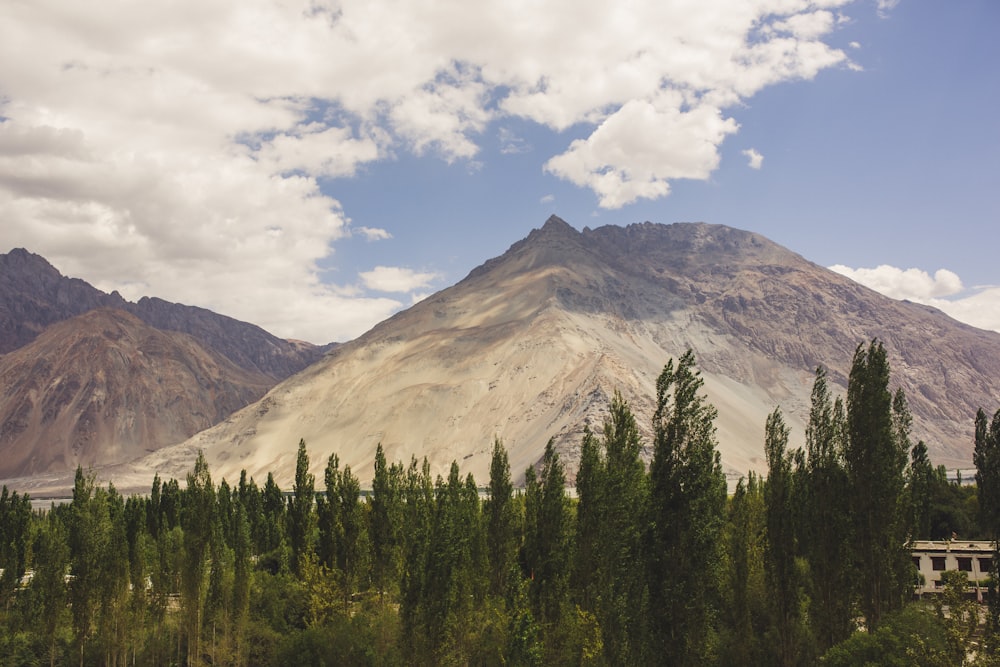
[754, 159]
[944, 290]
[912, 284]
[396, 279]
[636, 152]
[168, 147]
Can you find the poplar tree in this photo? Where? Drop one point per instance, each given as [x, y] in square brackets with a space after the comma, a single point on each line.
[385, 529]
[920, 488]
[749, 593]
[825, 528]
[547, 537]
[686, 516]
[876, 453]
[782, 574]
[198, 519]
[502, 539]
[88, 535]
[447, 596]
[15, 537]
[986, 456]
[418, 508]
[612, 504]
[301, 517]
[242, 571]
[328, 514]
[589, 519]
[272, 525]
[51, 551]
[353, 545]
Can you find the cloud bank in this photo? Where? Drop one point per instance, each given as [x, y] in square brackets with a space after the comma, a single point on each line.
[979, 307]
[179, 148]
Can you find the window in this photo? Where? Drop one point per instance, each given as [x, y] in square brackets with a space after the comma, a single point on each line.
[937, 563]
[985, 564]
[916, 562]
[965, 564]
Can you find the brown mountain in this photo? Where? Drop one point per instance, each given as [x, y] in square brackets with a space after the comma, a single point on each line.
[105, 387]
[34, 295]
[532, 344]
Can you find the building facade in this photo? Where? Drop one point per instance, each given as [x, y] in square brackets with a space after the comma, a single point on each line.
[931, 558]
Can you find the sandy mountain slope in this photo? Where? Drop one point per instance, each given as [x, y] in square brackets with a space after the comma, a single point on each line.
[104, 387]
[532, 344]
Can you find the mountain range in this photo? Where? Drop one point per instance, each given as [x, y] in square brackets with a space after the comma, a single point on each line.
[533, 344]
[88, 378]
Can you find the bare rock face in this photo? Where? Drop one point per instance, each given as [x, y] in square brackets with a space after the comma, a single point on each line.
[533, 344]
[34, 295]
[104, 387]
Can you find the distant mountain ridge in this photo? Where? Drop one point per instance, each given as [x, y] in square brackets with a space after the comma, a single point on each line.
[88, 378]
[532, 344]
[34, 295]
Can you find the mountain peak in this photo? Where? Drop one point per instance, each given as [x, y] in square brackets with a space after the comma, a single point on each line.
[25, 262]
[557, 224]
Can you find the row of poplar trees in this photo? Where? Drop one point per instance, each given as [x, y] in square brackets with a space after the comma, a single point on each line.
[647, 565]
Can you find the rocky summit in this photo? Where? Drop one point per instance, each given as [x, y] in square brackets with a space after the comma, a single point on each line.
[533, 344]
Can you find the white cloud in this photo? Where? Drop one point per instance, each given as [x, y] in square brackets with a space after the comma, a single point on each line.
[754, 159]
[396, 279]
[884, 7]
[979, 307]
[177, 147]
[912, 284]
[547, 199]
[636, 152]
[373, 233]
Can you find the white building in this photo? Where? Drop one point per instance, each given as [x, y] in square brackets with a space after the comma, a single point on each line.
[932, 558]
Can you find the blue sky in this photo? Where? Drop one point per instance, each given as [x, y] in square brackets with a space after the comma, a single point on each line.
[313, 168]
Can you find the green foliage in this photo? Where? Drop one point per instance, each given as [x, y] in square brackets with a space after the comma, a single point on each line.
[301, 517]
[15, 516]
[613, 493]
[907, 637]
[747, 609]
[920, 484]
[48, 595]
[386, 504]
[876, 454]
[501, 523]
[783, 576]
[686, 518]
[643, 568]
[545, 555]
[825, 531]
[987, 459]
[198, 519]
